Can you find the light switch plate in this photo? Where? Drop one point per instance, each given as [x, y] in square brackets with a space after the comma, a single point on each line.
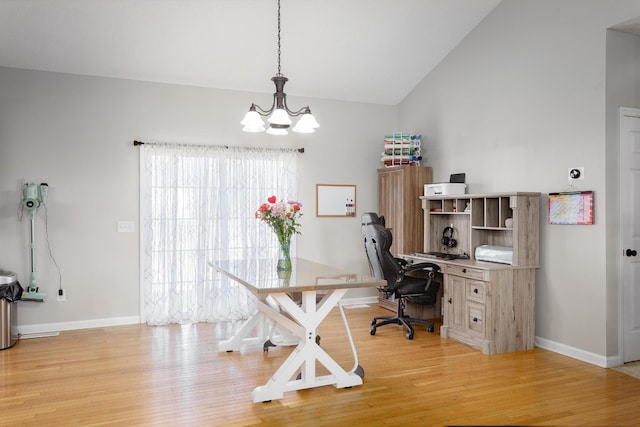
[126, 227]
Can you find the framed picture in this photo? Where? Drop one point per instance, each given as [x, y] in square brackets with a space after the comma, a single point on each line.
[335, 200]
[574, 208]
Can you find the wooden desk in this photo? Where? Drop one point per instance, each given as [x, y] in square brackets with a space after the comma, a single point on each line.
[307, 277]
[487, 305]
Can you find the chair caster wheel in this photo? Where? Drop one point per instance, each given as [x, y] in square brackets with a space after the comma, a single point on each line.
[429, 328]
[373, 322]
[410, 336]
[373, 331]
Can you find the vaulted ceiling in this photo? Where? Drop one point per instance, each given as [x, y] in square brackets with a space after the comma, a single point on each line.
[373, 51]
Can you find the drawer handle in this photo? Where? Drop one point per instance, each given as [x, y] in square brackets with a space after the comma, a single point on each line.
[464, 270]
[475, 319]
[475, 291]
[450, 302]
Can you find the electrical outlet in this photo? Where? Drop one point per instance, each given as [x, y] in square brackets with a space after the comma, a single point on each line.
[576, 174]
[62, 295]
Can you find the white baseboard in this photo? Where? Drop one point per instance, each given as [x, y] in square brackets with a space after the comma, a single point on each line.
[361, 300]
[129, 320]
[577, 353]
[81, 324]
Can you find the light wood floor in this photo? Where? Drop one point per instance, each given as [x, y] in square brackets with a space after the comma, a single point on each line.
[145, 375]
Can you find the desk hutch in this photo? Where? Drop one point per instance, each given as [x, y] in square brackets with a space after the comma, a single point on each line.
[489, 306]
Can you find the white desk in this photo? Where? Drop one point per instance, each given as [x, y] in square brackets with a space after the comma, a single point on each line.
[307, 277]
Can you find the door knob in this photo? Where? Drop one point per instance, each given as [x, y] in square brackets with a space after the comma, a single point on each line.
[449, 301]
[631, 252]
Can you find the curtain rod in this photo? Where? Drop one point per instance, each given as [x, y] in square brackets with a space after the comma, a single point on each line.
[299, 150]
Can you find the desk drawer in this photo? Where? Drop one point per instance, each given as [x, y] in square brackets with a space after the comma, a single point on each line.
[476, 290]
[469, 272]
[475, 319]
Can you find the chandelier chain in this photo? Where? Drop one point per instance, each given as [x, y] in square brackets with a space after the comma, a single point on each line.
[279, 72]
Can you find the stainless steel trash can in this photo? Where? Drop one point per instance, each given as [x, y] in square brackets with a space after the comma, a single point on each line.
[8, 313]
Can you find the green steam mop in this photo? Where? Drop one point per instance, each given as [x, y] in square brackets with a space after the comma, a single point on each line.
[31, 203]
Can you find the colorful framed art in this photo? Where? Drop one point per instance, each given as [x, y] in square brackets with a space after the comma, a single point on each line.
[573, 208]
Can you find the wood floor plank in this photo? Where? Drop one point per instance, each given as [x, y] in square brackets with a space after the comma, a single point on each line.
[141, 375]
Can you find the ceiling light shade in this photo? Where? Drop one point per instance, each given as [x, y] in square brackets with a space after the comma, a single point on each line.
[280, 120]
[279, 117]
[252, 119]
[306, 124]
[253, 128]
[277, 130]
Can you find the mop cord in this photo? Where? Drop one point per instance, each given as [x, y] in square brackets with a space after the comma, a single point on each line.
[46, 233]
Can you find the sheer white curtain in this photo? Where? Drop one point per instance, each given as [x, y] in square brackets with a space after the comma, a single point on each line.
[198, 204]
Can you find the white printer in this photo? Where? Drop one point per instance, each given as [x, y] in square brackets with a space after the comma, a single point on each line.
[500, 254]
[455, 186]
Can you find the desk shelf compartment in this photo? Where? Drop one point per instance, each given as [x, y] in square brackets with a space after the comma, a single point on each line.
[492, 212]
[492, 237]
[485, 223]
[450, 206]
[435, 230]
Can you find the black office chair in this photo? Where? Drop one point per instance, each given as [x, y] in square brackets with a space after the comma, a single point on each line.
[404, 287]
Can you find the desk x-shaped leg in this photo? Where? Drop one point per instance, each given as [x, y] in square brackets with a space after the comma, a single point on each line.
[256, 330]
[302, 322]
[306, 319]
[308, 316]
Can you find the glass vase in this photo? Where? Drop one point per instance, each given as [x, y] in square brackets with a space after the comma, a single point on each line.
[284, 257]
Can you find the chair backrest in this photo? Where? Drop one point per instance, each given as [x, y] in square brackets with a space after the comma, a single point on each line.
[377, 241]
[372, 217]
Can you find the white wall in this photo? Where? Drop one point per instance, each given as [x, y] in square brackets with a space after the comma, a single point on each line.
[76, 134]
[516, 104]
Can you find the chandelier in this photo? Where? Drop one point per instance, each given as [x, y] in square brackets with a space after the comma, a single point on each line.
[280, 119]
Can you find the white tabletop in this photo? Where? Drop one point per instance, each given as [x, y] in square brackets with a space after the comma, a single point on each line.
[261, 277]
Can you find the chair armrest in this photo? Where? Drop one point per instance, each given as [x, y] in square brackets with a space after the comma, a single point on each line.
[403, 262]
[423, 266]
[434, 268]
